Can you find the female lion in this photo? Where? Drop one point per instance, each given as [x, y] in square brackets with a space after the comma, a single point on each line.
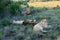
[41, 25]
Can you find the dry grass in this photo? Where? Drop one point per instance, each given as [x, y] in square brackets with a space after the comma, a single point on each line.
[44, 4]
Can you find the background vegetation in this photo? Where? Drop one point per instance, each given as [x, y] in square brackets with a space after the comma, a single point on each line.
[10, 11]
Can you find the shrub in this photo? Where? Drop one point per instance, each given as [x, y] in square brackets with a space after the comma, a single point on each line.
[14, 8]
[5, 22]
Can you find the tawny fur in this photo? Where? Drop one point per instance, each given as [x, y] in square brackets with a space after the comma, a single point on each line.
[40, 25]
[18, 22]
[27, 11]
[33, 22]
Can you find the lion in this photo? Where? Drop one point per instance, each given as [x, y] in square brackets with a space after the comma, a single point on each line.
[41, 25]
[25, 22]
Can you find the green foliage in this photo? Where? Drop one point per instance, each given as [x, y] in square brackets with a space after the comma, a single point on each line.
[5, 22]
[4, 4]
[25, 32]
[13, 7]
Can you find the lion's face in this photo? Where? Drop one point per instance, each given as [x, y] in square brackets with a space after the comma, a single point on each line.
[43, 22]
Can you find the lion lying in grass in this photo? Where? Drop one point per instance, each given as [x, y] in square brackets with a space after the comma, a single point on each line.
[38, 27]
[41, 25]
[25, 22]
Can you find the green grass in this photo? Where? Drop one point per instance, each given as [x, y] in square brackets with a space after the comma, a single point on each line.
[25, 32]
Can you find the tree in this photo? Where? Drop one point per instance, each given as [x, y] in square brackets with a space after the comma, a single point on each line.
[13, 7]
[4, 4]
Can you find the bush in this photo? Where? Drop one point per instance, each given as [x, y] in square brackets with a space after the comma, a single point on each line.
[14, 8]
[5, 22]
